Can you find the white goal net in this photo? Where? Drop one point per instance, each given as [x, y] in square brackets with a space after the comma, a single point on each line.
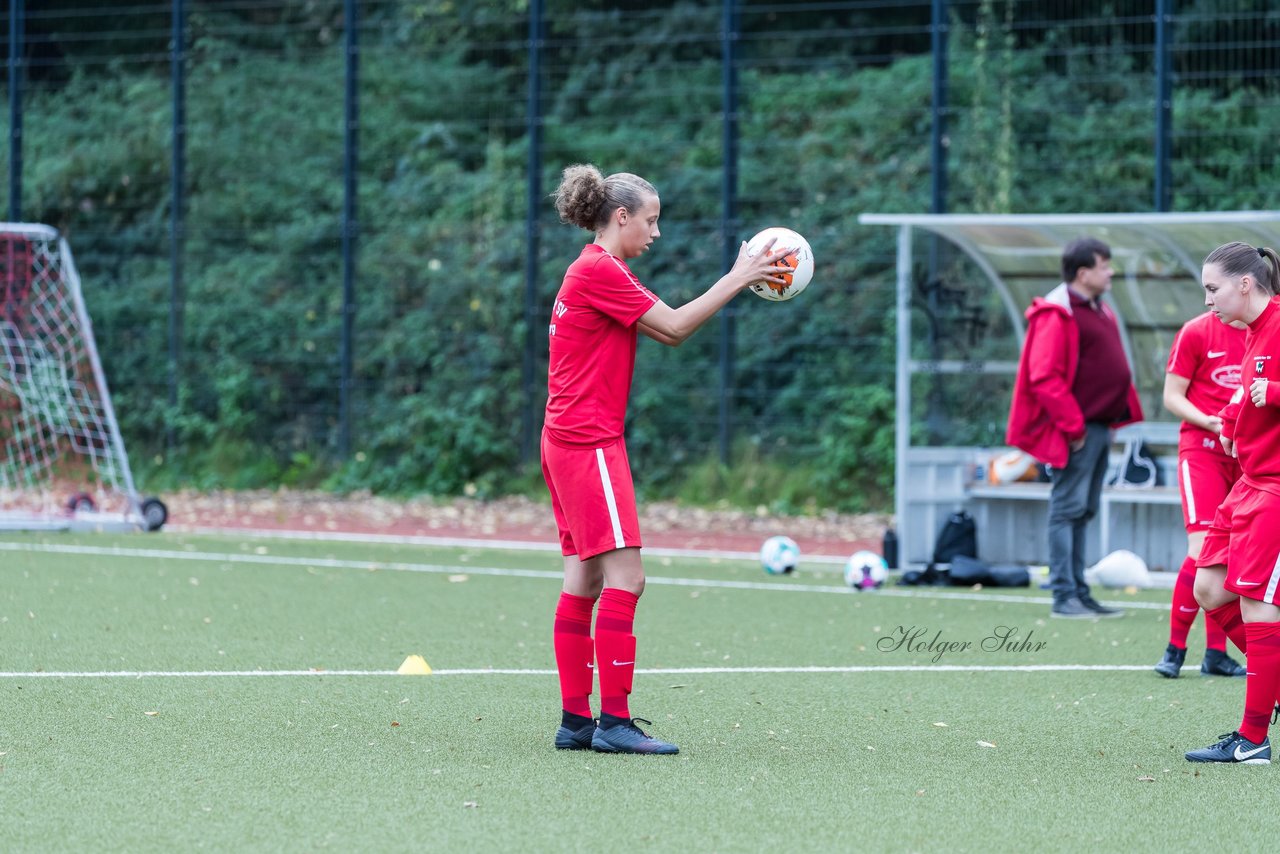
[62, 461]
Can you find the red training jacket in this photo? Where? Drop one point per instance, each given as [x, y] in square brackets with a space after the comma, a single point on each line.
[1044, 417]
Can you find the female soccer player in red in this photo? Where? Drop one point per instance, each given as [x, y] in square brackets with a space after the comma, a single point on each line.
[599, 310]
[1203, 373]
[1241, 551]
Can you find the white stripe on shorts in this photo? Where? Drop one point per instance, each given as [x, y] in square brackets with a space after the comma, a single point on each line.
[1270, 595]
[610, 500]
[1186, 491]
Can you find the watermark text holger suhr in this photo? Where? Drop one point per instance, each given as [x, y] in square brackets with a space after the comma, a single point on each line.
[918, 639]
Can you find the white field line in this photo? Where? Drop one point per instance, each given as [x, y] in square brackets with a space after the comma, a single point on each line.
[460, 569]
[477, 542]
[657, 671]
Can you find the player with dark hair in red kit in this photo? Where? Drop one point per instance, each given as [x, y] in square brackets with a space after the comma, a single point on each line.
[600, 308]
[1203, 373]
[1239, 564]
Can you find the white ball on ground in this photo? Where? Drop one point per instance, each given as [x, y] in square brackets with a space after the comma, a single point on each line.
[865, 570]
[779, 555]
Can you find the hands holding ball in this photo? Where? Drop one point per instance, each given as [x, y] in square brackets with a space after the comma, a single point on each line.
[798, 260]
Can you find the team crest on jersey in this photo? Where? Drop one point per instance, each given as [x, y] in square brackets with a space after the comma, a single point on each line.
[1259, 364]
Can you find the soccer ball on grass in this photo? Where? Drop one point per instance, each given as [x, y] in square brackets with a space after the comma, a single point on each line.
[779, 555]
[865, 570]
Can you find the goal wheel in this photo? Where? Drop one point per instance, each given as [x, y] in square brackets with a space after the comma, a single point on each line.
[154, 514]
[81, 502]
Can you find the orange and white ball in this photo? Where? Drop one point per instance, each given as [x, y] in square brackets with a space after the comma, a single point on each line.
[799, 259]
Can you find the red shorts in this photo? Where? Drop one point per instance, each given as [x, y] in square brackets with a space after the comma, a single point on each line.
[1245, 536]
[1204, 478]
[592, 496]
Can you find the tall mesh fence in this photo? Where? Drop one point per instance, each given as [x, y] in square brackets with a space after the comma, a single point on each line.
[1050, 107]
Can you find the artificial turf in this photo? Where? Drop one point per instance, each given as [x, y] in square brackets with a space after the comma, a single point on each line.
[810, 718]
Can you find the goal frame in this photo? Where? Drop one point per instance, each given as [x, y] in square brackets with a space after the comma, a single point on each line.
[34, 503]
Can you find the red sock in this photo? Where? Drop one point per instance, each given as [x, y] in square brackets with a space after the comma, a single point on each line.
[1214, 636]
[1263, 680]
[1184, 607]
[616, 649]
[572, 640]
[1229, 620]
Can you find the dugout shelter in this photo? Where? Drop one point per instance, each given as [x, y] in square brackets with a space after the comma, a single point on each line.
[963, 283]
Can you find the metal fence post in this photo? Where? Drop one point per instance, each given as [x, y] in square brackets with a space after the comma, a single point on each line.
[350, 224]
[1164, 108]
[532, 233]
[728, 219]
[177, 202]
[15, 110]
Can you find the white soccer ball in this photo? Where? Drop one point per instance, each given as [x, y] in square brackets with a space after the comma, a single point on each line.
[865, 570]
[779, 555]
[800, 260]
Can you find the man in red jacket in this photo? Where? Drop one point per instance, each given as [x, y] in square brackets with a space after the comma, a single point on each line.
[1074, 384]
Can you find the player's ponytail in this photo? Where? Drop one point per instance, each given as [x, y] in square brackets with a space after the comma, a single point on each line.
[586, 198]
[580, 197]
[1242, 259]
[1272, 284]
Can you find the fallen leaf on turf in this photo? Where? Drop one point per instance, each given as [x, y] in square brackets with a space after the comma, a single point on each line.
[677, 686]
[458, 578]
[470, 805]
[985, 744]
[395, 723]
[919, 791]
[151, 714]
[1147, 779]
[939, 723]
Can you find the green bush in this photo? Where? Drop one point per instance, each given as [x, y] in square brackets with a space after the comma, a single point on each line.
[439, 400]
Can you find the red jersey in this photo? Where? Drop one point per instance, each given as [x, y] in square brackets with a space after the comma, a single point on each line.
[593, 349]
[1207, 352]
[1256, 430]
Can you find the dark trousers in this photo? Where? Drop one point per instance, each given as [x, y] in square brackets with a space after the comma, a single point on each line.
[1073, 502]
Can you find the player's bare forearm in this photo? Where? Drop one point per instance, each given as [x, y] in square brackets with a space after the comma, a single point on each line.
[1175, 400]
[674, 325]
[658, 336]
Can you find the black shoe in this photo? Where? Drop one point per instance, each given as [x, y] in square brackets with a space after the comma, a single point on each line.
[620, 735]
[1071, 609]
[1098, 608]
[1171, 665]
[575, 733]
[1234, 747]
[1218, 663]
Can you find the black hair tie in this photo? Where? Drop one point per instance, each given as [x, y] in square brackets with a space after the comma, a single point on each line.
[1262, 253]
